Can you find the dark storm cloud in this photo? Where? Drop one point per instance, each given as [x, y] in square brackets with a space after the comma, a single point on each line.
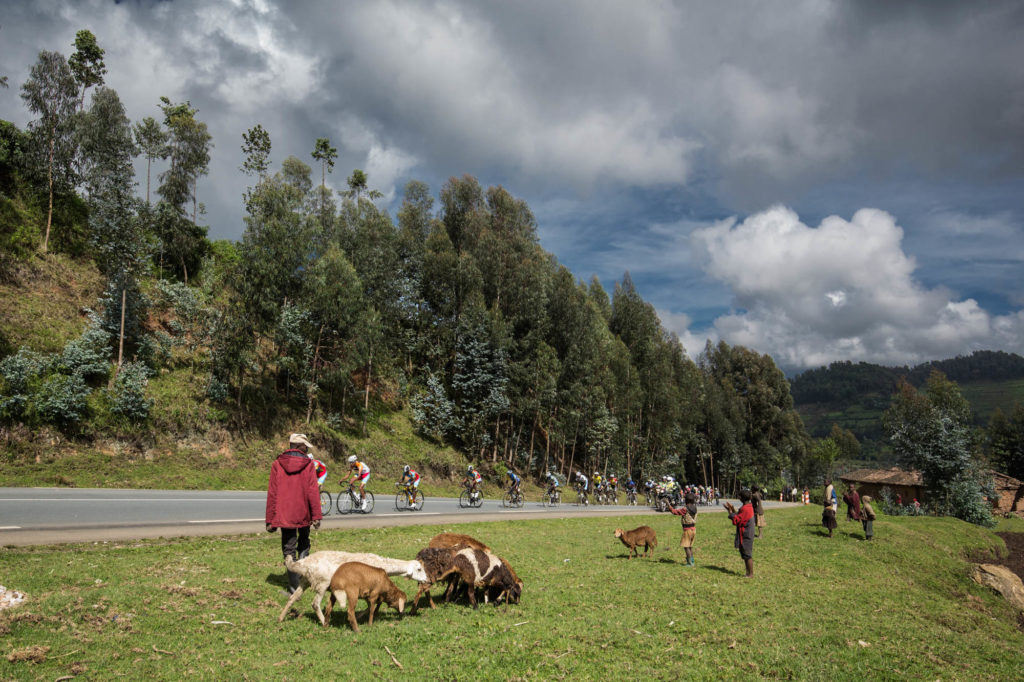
[628, 127]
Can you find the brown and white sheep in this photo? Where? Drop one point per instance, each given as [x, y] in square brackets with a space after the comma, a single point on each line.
[460, 540]
[476, 567]
[355, 580]
[316, 570]
[644, 535]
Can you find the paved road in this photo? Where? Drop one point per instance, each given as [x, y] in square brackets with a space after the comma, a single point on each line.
[31, 516]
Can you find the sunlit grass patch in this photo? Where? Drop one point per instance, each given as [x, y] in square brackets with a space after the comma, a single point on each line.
[898, 607]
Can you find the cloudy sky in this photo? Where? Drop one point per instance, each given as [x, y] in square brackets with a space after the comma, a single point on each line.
[816, 180]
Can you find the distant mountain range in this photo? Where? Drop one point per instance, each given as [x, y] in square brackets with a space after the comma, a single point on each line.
[854, 395]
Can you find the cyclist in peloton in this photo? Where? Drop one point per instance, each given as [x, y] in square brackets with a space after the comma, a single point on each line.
[410, 477]
[552, 483]
[319, 468]
[613, 483]
[361, 473]
[516, 481]
[598, 482]
[630, 485]
[582, 484]
[474, 479]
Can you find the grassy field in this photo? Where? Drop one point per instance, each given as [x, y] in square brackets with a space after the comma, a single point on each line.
[901, 607]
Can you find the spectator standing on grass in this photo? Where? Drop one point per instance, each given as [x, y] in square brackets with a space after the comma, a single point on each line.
[828, 517]
[689, 513]
[867, 517]
[830, 495]
[293, 500]
[852, 499]
[757, 499]
[744, 522]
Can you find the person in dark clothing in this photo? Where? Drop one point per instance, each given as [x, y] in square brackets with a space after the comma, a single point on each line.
[828, 517]
[867, 517]
[757, 500]
[689, 514]
[744, 522]
[293, 500]
[852, 499]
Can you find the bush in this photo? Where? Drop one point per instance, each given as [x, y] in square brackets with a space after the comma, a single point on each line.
[88, 356]
[62, 399]
[17, 374]
[128, 396]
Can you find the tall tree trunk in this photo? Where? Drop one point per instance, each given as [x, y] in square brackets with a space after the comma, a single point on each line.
[366, 400]
[149, 166]
[195, 199]
[312, 385]
[49, 211]
[120, 341]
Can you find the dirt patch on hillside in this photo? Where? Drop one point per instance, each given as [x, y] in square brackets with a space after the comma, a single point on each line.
[1015, 554]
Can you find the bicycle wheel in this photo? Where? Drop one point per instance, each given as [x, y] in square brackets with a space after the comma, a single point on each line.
[369, 503]
[519, 500]
[418, 499]
[325, 503]
[556, 498]
[465, 500]
[401, 501]
[478, 501]
[508, 501]
[344, 502]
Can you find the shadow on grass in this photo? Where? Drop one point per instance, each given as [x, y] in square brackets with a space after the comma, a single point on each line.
[625, 556]
[278, 580]
[721, 569]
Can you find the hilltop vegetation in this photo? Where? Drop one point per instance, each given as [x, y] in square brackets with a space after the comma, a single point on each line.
[450, 324]
[855, 395]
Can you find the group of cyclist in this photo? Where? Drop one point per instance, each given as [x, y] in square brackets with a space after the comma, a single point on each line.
[359, 476]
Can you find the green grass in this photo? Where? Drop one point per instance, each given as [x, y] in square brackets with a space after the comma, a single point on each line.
[986, 396]
[897, 608]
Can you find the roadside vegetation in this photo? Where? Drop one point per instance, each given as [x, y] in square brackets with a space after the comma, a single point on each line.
[900, 606]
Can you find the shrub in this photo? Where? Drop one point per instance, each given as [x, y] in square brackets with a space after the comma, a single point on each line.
[88, 356]
[128, 396]
[62, 399]
[17, 374]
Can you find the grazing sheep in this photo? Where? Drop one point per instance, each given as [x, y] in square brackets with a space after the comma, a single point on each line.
[355, 580]
[316, 570]
[644, 535]
[459, 540]
[437, 563]
[456, 539]
[476, 567]
[479, 568]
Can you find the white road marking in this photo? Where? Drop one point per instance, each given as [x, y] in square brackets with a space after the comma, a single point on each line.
[225, 520]
[10, 527]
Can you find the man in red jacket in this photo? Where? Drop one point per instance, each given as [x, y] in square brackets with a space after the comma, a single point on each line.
[293, 500]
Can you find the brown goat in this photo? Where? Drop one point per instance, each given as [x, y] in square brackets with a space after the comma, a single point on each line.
[353, 581]
[460, 540]
[644, 535]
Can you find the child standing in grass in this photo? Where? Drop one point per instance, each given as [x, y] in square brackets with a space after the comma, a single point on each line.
[828, 516]
[867, 517]
[689, 514]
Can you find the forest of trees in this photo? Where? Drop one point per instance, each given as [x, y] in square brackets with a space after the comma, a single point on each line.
[844, 382]
[329, 310]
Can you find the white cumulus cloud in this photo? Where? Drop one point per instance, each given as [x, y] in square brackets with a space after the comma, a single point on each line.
[842, 290]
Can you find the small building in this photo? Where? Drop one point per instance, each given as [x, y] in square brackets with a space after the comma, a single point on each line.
[1010, 494]
[907, 484]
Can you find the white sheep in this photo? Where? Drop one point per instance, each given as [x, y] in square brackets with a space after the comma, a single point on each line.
[316, 570]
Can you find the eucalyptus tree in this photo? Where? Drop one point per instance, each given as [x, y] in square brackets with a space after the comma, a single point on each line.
[87, 62]
[325, 154]
[1006, 441]
[256, 147]
[189, 152]
[151, 140]
[51, 93]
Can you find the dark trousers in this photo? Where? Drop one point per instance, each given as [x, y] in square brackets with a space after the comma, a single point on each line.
[295, 543]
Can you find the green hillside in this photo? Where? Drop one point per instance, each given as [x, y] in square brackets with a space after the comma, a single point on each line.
[854, 395]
